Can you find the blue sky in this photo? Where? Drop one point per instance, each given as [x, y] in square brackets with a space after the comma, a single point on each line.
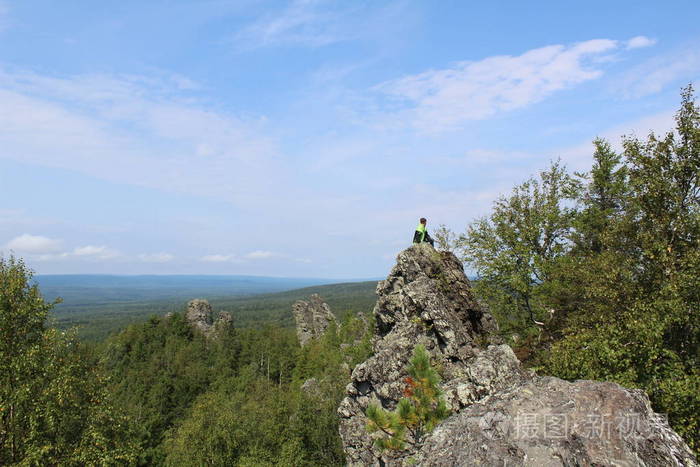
[305, 138]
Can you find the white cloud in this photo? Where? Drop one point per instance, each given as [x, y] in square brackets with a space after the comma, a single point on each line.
[33, 244]
[37, 247]
[217, 258]
[439, 100]
[156, 257]
[639, 42]
[88, 250]
[260, 254]
[101, 252]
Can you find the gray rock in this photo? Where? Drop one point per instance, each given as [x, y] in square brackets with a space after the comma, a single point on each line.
[427, 299]
[312, 318]
[199, 316]
[225, 318]
[550, 422]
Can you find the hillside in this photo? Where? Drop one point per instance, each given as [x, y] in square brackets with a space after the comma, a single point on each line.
[103, 307]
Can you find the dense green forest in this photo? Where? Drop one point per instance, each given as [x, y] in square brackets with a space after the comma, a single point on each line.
[591, 275]
[161, 393]
[96, 319]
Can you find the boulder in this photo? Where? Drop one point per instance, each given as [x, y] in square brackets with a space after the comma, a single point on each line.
[551, 422]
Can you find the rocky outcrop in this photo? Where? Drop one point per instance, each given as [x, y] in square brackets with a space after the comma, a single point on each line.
[225, 319]
[312, 318]
[200, 316]
[551, 422]
[427, 299]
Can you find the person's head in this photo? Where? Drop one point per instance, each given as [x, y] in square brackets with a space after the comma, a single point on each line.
[423, 220]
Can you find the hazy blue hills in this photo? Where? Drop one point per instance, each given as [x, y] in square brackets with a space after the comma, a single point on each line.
[89, 289]
[102, 304]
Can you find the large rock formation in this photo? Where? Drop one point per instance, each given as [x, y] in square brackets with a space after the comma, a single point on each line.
[200, 316]
[312, 318]
[502, 414]
[551, 422]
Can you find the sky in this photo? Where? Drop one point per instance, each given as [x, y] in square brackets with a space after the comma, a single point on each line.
[306, 138]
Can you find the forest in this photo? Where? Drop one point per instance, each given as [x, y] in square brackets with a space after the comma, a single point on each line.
[590, 276]
[97, 318]
[161, 393]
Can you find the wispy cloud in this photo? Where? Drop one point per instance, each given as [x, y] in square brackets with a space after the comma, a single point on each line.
[260, 254]
[660, 71]
[100, 252]
[439, 100]
[317, 23]
[156, 257]
[41, 248]
[302, 23]
[105, 125]
[218, 258]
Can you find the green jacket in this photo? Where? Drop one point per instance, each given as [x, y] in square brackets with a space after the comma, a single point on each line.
[421, 235]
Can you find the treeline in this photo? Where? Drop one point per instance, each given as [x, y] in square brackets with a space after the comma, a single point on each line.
[161, 393]
[97, 319]
[597, 275]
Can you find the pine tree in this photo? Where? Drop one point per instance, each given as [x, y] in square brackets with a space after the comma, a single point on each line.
[417, 413]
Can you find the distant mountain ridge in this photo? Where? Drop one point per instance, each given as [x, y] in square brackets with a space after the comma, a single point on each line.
[82, 290]
[232, 283]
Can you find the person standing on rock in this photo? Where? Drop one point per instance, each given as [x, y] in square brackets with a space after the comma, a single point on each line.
[421, 234]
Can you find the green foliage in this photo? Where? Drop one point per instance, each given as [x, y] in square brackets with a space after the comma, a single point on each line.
[54, 409]
[244, 420]
[260, 415]
[157, 369]
[235, 399]
[515, 249]
[621, 279]
[446, 239]
[649, 334]
[416, 414]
